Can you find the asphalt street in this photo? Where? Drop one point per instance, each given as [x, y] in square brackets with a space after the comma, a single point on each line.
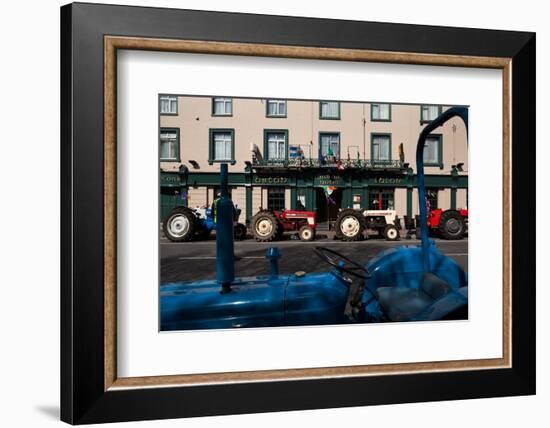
[191, 261]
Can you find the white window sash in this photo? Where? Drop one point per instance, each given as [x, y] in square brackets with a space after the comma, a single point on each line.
[223, 106]
[431, 149]
[329, 109]
[222, 146]
[381, 148]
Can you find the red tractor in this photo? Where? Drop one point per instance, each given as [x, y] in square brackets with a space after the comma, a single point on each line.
[449, 224]
[269, 225]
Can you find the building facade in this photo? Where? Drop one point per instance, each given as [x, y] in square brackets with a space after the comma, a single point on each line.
[315, 155]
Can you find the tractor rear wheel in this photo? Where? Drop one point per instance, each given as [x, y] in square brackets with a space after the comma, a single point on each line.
[180, 225]
[451, 225]
[391, 233]
[239, 231]
[350, 225]
[265, 226]
[306, 233]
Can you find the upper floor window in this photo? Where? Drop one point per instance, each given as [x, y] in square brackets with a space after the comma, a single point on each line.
[222, 106]
[168, 104]
[429, 112]
[221, 145]
[276, 108]
[330, 145]
[329, 110]
[169, 144]
[433, 155]
[276, 145]
[380, 112]
[381, 147]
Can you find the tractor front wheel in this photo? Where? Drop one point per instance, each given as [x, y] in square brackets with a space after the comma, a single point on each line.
[350, 225]
[265, 226]
[451, 225]
[306, 233]
[391, 233]
[180, 225]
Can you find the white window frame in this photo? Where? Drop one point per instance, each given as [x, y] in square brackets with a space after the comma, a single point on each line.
[338, 142]
[280, 110]
[377, 107]
[167, 140]
[282, 149]
[329, 116]
[228, 146]
[429, 109]
[226, 102]
[172, 104]
[376, 148]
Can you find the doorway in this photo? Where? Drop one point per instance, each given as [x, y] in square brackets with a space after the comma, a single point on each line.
[327, 208]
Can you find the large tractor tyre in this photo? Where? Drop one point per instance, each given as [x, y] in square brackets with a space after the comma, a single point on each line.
[180, 225]
[306, 233]
[350, 225]
[265, 226]
[451, 225]
[239, 231]
[391, 233]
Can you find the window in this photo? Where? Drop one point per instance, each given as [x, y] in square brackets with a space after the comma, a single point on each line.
[329, 110]
[380, 112]
[276, 198]
[169, 145]
[221, 145]
[381, 199]
[431, 196]
[330, 144]
[275, 144]
[381, 148]
[429, 113]
[222, 106]
[168, 104]
[276, 108]
[432, 151]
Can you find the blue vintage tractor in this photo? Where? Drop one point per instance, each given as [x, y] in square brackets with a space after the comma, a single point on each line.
[188, 224]
[407, 283]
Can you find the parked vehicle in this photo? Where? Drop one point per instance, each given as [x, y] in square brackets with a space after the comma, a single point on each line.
[400, 284]
[189, 224]
[448, 224]
[352, 224]
[270, 225]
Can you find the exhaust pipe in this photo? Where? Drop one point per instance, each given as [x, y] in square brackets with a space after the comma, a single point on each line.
[225, 252]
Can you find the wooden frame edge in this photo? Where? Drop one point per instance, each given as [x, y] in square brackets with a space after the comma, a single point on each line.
[112, 43]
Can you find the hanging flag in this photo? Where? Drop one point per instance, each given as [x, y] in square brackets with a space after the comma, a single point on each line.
[328, 190]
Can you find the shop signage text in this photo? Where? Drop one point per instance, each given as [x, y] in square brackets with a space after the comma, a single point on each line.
[387, 180]
[270, 180]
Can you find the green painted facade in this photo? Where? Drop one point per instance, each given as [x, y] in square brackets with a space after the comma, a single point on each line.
[174, 185]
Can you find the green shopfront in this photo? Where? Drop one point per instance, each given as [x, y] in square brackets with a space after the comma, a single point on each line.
[318, 189]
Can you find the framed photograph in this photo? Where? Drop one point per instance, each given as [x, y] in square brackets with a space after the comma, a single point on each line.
[268, 213]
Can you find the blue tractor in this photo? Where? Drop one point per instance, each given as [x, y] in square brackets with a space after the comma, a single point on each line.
[407, 283]
[187, 224]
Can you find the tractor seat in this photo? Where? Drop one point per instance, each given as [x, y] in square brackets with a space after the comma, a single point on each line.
[403, 303]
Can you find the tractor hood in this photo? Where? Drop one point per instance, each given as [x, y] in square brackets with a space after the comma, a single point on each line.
[264, 301]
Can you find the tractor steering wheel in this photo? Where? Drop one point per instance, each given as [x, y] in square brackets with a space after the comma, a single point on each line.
[349, 266]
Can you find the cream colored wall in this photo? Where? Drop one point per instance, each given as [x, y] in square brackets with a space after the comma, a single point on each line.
[400, 201]
[249, 120]
[197, 196]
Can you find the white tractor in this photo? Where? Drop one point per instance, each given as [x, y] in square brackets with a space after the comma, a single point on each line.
[351, 224]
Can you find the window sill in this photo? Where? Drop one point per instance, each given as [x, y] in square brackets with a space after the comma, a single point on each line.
[229, 161]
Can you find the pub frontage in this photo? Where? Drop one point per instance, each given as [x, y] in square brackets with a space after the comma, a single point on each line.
[320, 189]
